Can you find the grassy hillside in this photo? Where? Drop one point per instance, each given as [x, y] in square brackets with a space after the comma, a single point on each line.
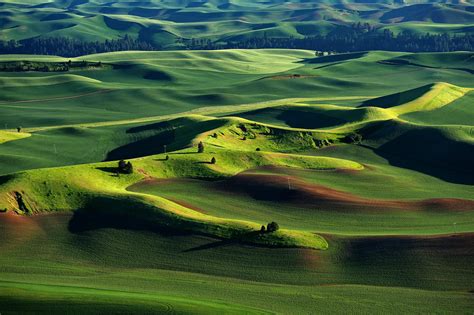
[369, 179]
[164, 22]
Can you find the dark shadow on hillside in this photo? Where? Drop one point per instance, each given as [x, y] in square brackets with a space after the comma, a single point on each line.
[5, 178]
[431, 152]
[334, 58]
[125, 214]
[245, 238]
[157, 76]
[401, 254]
[397, 98]
[295, 118]
[211, 245]
[402, 62]
[113, 171]
[309, 120]
[148, 146]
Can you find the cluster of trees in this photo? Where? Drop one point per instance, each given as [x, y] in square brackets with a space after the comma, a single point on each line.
[69, 47]
[350, 40]
[19, 66]
[357, 37]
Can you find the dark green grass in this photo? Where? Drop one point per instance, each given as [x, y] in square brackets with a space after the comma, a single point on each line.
[134, 271]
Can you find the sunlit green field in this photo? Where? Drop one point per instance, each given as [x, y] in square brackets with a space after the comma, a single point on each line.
[364, 160]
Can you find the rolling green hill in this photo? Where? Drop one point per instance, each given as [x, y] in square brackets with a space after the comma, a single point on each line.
[164, 22]
[363, 159]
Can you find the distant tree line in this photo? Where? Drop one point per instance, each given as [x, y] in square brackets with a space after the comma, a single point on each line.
[358, 37]
[69, 47]
[21, 66]
[350, 41]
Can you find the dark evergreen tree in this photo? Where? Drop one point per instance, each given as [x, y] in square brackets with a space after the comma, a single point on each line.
[200, 147]
[273, 227]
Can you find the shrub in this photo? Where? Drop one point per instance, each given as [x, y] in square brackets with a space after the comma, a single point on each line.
[129, 168]
[213, 160]
[167, 157]
[125, 167]
[273, 227]
[18, 128]
[257, 149]
[353, 138]
[121, 165]
[200, 147]
[263, 229]
[242, 127]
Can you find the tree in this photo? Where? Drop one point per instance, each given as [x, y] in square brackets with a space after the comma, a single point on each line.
[263, 229]
[200, 147]
[129, 168]
[121, 165]
[167, 157]
[125, 167]
[213, 160]
[272, 227]
[18, 128]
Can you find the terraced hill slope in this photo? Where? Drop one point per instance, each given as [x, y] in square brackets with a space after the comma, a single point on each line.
[364, 161]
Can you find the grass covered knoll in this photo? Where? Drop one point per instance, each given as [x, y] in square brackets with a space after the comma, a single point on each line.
[95, 191]
[425, 98]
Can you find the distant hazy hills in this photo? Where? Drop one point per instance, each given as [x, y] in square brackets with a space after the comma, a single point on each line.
[165, 21]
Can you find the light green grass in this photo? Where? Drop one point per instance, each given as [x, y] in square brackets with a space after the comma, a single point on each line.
[6, 136]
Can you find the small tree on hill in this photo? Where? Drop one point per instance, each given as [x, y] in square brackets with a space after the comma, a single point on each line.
[213, 160]
[128, 168]
[125, 167]
[121, 165]
[272, 227]
[200, 147]
[18, 128]
[263, 229]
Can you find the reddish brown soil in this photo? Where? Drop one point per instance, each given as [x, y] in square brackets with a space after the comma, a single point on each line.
[188, 205]
[276, 188]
